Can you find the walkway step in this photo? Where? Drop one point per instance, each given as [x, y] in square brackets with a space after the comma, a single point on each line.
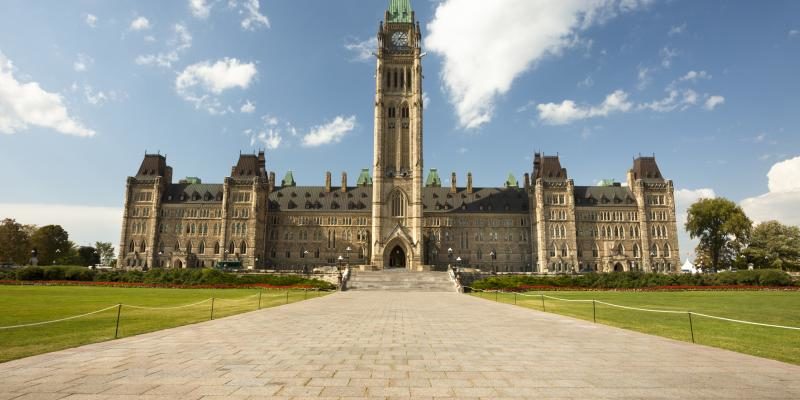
[400, 280]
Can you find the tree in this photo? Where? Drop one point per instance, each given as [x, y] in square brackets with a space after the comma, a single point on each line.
[106, 252]
[722, 227]
[51, 242]
[88, 256]
[14, 242]
[774, 245]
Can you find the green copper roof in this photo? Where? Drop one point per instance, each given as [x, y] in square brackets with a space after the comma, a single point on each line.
[288, 180]
[192, 180]
[400, 11]
[364, 178]
[511, 181]
[606, 182]
[433, 179]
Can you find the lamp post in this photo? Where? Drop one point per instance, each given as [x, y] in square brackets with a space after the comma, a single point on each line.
[305, 266]
[160, 261]
[58, 251]
[339, 267]
[348, 249]
[458, 262]
[493, 256]
[256, 266]
[449, 256]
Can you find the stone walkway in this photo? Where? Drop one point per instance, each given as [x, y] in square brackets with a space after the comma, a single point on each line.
[396, 345]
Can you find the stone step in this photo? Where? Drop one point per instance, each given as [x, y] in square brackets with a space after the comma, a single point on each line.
[400, 280]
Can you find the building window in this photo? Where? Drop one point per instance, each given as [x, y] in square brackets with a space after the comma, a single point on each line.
[243, 248]
[398, 204]
[216, 248]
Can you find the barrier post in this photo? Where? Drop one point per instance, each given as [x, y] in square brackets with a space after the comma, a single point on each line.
[543, 309]
[594, 311]
[305, 293]
[259, 298]
[212, 308]
[515, 298]
[691, 327]
[496, 293]
[119, 311]
[287, 297]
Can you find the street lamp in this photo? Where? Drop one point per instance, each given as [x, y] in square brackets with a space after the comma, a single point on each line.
[458, 261]
[449, 256]
[305, 266]
[339, 267]
[493, 256]
[348, 249]
[160, 261]
[57, 252]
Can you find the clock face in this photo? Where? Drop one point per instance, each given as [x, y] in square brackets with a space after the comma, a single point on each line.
[400, 39]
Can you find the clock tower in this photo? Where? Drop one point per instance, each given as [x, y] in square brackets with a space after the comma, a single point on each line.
[397, 187]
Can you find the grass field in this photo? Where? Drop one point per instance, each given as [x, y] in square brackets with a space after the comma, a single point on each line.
[770, 307]
[30, 304]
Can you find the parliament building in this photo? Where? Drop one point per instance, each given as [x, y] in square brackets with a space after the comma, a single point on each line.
[395, 214]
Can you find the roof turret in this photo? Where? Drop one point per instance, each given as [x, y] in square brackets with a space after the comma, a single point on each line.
[399, 11]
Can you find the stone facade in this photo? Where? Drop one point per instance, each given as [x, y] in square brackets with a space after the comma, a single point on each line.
[391, 218]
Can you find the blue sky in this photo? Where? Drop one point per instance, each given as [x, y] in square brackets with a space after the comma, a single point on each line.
[87, 86]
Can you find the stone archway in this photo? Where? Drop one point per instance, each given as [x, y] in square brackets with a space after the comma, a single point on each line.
[397, 257]
[618, 267]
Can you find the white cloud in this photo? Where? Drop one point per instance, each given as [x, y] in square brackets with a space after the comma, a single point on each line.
[24, 104]
[271, 134]
[693, 76]
[82, 63]
[98, 98]
[675, 100]
[426, 101]
[247, 107]
[200, 83]
[253, 19]
[85, 224]
[568, 111]
[140, 24]
[643, 78]
[794, 33]
[586, 82]
[363, 49]
[179, 43]
[91, 20]
[677, 29]
[332, 132]
[200, 8]
[780, 203]
[483, 56]
[714, 101]
[667, 54]
[684, 198]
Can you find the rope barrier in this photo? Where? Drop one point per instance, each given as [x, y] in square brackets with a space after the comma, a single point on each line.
[235, 300]
[642, 309]
[59, 320]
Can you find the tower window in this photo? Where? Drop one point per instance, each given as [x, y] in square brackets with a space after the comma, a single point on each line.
[398, 205]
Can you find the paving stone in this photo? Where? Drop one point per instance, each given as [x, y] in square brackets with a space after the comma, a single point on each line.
[403, 345]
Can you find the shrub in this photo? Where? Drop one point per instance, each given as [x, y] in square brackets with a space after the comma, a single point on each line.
[30, 274]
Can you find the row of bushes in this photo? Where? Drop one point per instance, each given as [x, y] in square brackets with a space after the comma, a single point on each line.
[185, 277]
[636, 280]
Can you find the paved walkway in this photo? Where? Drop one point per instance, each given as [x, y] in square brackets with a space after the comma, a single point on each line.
[396, 345]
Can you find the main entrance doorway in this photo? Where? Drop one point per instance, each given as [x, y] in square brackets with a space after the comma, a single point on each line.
[397, 258]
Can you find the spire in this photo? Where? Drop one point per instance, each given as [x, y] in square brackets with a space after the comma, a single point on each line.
[400, 11]
[433, 179]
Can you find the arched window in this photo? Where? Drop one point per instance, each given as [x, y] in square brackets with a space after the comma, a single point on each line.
[654, 250]
[595, 251]
[131, 247]
[243, 247]
[667, 250]
[202, 248]
[142, 246]
[564, 250]
[553, 250]
[189, 246]
[398, 204]
[636, 251]
[216, 248]
[231, 247]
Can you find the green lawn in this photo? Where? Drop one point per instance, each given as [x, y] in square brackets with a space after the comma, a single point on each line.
[29, 304]
[770, 307]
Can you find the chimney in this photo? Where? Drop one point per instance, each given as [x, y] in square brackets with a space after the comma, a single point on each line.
[328, 182]
[469, 182]
[272, 181]
[453, 188]
[527, 180]
[344, 182]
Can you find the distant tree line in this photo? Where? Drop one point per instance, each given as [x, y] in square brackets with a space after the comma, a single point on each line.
[51, 245]
[728, 238]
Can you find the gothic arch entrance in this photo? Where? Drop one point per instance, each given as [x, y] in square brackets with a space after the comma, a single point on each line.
[397, 257]
[618, 267]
